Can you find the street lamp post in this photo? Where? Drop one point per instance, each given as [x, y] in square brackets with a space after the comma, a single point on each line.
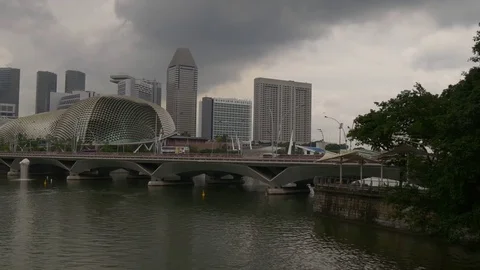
[155, 137]
[211, 146]
[279, 132]
[340, 128]
[214, 142]
[75, 137]
[321, 132]
[350, 128]
[271, 137]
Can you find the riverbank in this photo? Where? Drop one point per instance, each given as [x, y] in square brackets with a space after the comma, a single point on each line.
[370, 206]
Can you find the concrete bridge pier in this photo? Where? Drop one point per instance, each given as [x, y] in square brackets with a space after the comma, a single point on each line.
[135, 175]
[13, 173]
[287, 190]
[171, 181]
[225, 180]
[96, 175]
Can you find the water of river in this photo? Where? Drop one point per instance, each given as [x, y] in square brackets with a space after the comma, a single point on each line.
[117, 225]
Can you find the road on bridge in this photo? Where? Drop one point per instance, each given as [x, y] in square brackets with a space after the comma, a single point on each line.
[178, 157]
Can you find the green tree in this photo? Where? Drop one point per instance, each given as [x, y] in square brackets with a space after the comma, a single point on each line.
[476, 48]
[4, 146]
[335, 147]
[107, 147]
[410, 115]
[449, 126]
[193, 149]
[185, 133]
[223, 138]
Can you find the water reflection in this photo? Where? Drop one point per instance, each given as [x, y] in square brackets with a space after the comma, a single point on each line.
[397, 247]
[125, 225]
[21, 228]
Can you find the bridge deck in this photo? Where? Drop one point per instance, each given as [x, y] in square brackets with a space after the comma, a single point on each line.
[149, 157]
[277, 171]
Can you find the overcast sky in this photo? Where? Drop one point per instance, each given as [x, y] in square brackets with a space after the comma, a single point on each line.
[354, 52]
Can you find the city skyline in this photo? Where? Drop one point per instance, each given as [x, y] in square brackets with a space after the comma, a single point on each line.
[391, 45]
[226, 118]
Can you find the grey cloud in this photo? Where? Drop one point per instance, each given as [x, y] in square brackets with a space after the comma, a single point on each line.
[20, 15]
[449, 13]
[30, 32]
[224, 36]
[33, 34]
[441, 60]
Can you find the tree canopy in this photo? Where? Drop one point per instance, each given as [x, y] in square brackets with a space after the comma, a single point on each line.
[335, 147]
[448, 125]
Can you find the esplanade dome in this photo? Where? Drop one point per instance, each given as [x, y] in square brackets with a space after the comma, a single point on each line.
[113, 120]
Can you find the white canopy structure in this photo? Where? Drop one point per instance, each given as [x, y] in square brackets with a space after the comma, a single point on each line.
[401, 149]
[349, 157]
[357, 157]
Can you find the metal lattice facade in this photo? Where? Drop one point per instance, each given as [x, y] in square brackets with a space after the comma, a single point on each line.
[97, 120]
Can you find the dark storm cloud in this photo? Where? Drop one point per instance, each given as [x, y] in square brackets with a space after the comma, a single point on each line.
[449, 13]
[226, 35]
[30, 23]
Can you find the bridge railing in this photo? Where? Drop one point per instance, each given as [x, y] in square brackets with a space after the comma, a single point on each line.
[149, 156]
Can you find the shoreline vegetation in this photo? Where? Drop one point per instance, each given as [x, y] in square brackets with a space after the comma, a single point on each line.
[446, 127]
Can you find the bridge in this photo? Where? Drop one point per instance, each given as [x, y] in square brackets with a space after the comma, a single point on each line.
[276, 172]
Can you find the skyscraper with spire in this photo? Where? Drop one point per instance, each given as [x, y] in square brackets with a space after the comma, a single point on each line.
[182, 79]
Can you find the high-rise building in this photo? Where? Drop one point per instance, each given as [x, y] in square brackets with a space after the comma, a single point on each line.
[8, 111]
[182, 79]
[149, 90]
[60, 101]
[9, 91]
[226, 116]
[74, 81]
[280, 107]
[46, 83]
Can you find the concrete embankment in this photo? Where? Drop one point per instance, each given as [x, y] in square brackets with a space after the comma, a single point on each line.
[362, 205]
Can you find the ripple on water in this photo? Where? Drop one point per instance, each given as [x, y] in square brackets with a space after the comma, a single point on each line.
[87, 228]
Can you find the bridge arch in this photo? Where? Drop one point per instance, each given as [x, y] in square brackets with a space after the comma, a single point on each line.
[39, 161]
[169, 168]
[81, 166]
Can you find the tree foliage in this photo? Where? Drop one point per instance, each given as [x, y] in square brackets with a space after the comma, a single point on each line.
[185, 134]
[335, 147]
[476, 48]
[223, 138]
[409, 114]
[449, 126]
